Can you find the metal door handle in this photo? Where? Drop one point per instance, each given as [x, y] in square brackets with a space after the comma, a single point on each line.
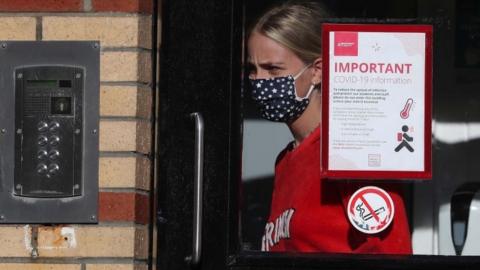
[198, 190]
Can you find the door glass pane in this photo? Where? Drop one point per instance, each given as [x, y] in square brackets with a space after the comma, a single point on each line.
[440, 216]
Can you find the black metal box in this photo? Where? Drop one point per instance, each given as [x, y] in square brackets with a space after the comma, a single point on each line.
[49, 120]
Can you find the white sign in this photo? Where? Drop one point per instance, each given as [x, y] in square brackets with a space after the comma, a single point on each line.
[376, 101]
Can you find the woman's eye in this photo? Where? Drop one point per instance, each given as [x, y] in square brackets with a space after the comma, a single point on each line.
[274, 70]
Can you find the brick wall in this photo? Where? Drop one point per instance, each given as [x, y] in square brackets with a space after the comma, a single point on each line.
[120, 240]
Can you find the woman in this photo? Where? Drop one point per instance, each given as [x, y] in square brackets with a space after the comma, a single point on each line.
[307, 214]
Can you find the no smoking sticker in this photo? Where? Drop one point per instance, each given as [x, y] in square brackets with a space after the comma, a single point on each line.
[370, 210]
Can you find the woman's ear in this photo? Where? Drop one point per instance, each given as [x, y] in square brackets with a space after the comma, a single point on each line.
[317, 71]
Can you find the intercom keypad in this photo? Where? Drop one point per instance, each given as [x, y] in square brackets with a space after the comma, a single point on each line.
[48, 128]
[49, 132]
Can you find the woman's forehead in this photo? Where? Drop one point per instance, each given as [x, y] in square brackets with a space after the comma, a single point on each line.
[264, 49]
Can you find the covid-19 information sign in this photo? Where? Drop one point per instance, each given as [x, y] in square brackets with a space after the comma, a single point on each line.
[376, 101]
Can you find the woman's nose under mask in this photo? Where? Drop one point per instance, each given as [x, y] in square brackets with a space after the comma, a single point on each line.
[277, 97]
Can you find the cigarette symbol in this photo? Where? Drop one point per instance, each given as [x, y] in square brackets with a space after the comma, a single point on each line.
[378, 211]
[406, 110]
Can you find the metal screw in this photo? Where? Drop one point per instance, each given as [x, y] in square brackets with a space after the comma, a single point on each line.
[19, 131]
[93, 217]
[20, 75]
[34, 253]
[2, 217]
[4, 130]
[18, 186]
[78, 75]
[76, 186]
[94, 131]
[77, 131]
[95, 45]
[4, 45]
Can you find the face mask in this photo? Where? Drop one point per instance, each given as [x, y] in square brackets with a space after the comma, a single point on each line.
[277, 97]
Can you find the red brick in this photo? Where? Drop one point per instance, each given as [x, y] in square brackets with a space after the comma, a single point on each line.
[43, 5]
[141, 6]
[123, 206]
[142, 209]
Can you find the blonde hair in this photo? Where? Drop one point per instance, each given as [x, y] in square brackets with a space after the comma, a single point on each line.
[297, 26]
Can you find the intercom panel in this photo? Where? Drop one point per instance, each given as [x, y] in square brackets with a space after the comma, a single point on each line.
[48, 124]
[49, 118]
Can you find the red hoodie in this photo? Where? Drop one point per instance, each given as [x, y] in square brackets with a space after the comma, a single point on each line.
[309, 214]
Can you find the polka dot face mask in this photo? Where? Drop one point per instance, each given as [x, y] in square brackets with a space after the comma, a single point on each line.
[277, 98]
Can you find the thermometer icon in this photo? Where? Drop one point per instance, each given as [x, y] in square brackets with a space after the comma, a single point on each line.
[406, 110]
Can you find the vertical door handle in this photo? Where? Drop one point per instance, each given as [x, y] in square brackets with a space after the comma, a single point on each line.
[198, 190]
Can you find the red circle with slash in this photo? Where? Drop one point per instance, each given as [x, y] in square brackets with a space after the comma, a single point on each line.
[370, 210]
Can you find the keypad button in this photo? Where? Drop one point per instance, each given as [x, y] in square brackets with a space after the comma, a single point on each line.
[54, 126]
[54, 140]
[42, 126]
[42, 154]
[42, 168]
[42, 140]
[53, 154]
[53, 169]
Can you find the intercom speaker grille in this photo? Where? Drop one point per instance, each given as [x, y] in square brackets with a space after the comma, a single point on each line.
[36, 105]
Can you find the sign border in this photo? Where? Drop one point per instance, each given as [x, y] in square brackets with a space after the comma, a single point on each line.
[376, 174]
